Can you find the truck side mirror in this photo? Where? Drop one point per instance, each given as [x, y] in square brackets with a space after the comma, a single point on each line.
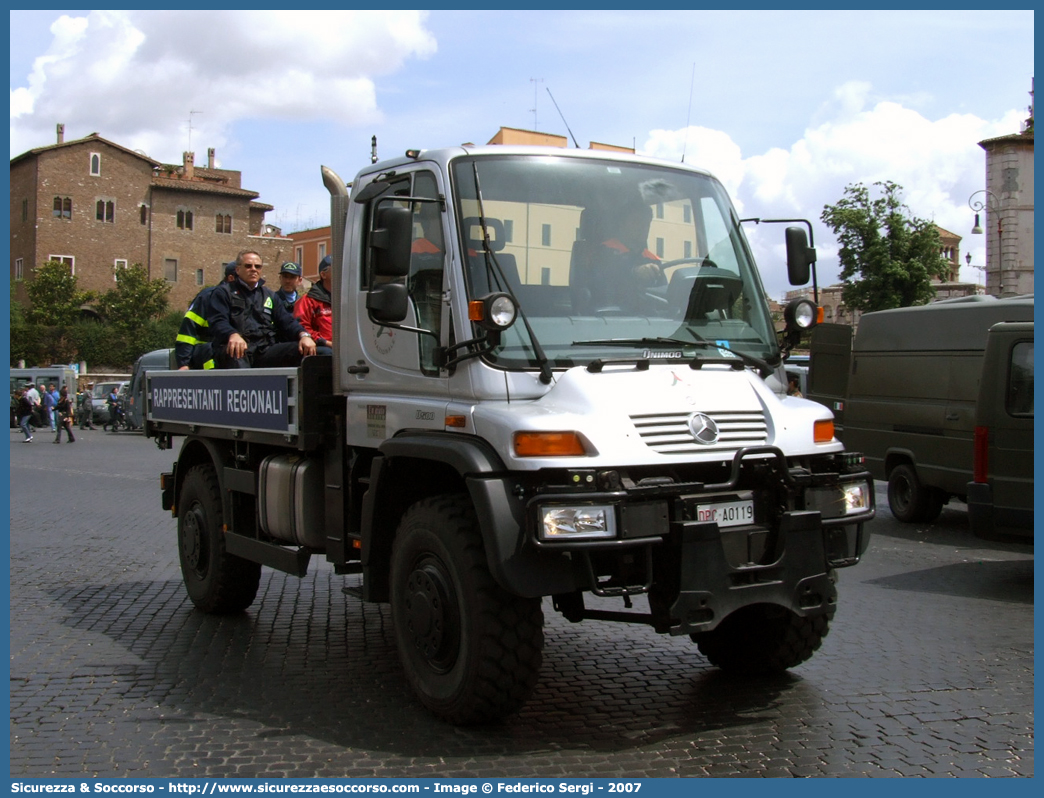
[800, 256]
[390, 240]
[388, 302]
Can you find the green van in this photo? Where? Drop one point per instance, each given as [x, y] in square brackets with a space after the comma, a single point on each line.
[940, 399]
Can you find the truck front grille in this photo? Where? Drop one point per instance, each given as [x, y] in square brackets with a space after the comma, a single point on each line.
[668, 433]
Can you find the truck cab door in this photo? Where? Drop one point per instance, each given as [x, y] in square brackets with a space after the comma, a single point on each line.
[400, 357]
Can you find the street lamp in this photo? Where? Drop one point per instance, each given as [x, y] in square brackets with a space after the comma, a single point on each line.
[977, 205]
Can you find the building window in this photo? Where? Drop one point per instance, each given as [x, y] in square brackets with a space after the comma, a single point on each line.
[659, 210]
[687, 213]
[199, 277]
[687, 247]
[659, 247]
[95, 163]
[223, 223]
[119, 263]
[143, 214]
[19, 269]
[545, 275]
[25, 210]
[322, 250]
[184, 220]
[299, 254]
[545, 235]
[68, 260]
[509, 230]
[170, 270]
[105, 211]
[62, 207]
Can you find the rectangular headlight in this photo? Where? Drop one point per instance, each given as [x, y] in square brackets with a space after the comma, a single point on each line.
[577, 523]
[856, 497]
[836, 502]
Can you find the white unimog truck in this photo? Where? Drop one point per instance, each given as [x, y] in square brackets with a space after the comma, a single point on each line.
[517, 408]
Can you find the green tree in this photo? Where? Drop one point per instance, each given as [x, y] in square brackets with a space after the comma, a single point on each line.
[888, 257]
[54, 296]
[135, 300]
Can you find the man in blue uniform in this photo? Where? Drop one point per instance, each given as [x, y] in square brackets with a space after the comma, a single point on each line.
[250, 325]
[192, 348]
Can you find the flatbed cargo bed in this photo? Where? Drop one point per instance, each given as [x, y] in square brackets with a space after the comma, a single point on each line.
[285, 406]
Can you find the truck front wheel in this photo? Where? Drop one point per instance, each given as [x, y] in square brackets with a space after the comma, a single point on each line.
[217, 582]
[762, 639]
[471, 651]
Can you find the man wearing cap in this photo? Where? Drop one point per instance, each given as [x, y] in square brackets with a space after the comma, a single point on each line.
[315, 309]
[251, 326]
[192, 346]
[289, 282]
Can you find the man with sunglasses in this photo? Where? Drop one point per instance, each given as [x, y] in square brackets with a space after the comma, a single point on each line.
[250, 326]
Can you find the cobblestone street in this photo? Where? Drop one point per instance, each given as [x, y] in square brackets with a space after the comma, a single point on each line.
[927, 670]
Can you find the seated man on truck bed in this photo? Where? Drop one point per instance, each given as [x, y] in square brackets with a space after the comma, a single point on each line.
[192, 347]
[250, 326]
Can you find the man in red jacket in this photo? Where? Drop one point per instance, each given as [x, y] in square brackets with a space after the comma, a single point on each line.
[315, 310]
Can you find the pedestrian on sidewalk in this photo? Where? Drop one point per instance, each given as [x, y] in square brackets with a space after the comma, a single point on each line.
[64, 409]
[24, 412]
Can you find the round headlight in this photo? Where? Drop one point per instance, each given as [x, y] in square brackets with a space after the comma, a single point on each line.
[801, 313]
[501, 311]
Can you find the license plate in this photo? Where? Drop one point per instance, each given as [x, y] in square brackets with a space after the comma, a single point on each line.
[727, 513]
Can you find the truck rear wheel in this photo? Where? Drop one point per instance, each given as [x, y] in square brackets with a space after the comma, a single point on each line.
[908, 499]
[471, 651]
[762, 639]
[217, 582]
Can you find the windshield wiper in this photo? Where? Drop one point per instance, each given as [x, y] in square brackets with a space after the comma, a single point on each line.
[763, 366]
[492, 265]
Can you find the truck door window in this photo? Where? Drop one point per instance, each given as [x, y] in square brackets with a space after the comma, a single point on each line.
[1020, 380]
[427, 264]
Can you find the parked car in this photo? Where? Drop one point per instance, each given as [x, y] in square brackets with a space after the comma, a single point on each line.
[133, 408]
[101, 393]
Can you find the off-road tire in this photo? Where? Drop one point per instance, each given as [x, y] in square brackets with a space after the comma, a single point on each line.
[216, 581]
[908, 499]
[762, 639]
[470, 650]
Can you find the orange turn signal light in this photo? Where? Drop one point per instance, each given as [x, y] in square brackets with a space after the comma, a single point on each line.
[819, 315]
[476, 310]
[549, 444]
[457, 422]
[823, 431]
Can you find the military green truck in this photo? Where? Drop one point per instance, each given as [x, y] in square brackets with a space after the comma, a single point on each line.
[940, 399]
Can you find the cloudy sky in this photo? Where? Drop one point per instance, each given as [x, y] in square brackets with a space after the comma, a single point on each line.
[786, 108]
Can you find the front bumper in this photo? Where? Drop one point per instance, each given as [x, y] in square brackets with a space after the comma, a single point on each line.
[697, 573]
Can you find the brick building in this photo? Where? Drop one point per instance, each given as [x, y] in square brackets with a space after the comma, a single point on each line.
[310, 247]
[99, 206]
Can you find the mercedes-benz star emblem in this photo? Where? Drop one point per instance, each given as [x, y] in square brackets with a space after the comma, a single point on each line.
[703, 428]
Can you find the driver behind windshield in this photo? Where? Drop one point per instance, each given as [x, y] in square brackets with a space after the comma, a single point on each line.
[629, 268]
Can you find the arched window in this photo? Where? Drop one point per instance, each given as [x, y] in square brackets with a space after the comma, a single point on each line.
[62, 207]
[143, 212]
[184, 220]
[95, 163]
[105, 211]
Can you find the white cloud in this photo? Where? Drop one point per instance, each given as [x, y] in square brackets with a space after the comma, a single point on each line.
[938, 163]
[134, 76]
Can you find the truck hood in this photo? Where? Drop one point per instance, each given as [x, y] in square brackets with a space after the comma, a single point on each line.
[666, 414]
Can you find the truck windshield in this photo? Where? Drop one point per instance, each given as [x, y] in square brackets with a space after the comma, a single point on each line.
[610, 260]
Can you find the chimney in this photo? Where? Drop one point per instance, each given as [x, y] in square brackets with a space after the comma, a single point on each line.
[61, 133]
[210, 158]
[190, 165]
